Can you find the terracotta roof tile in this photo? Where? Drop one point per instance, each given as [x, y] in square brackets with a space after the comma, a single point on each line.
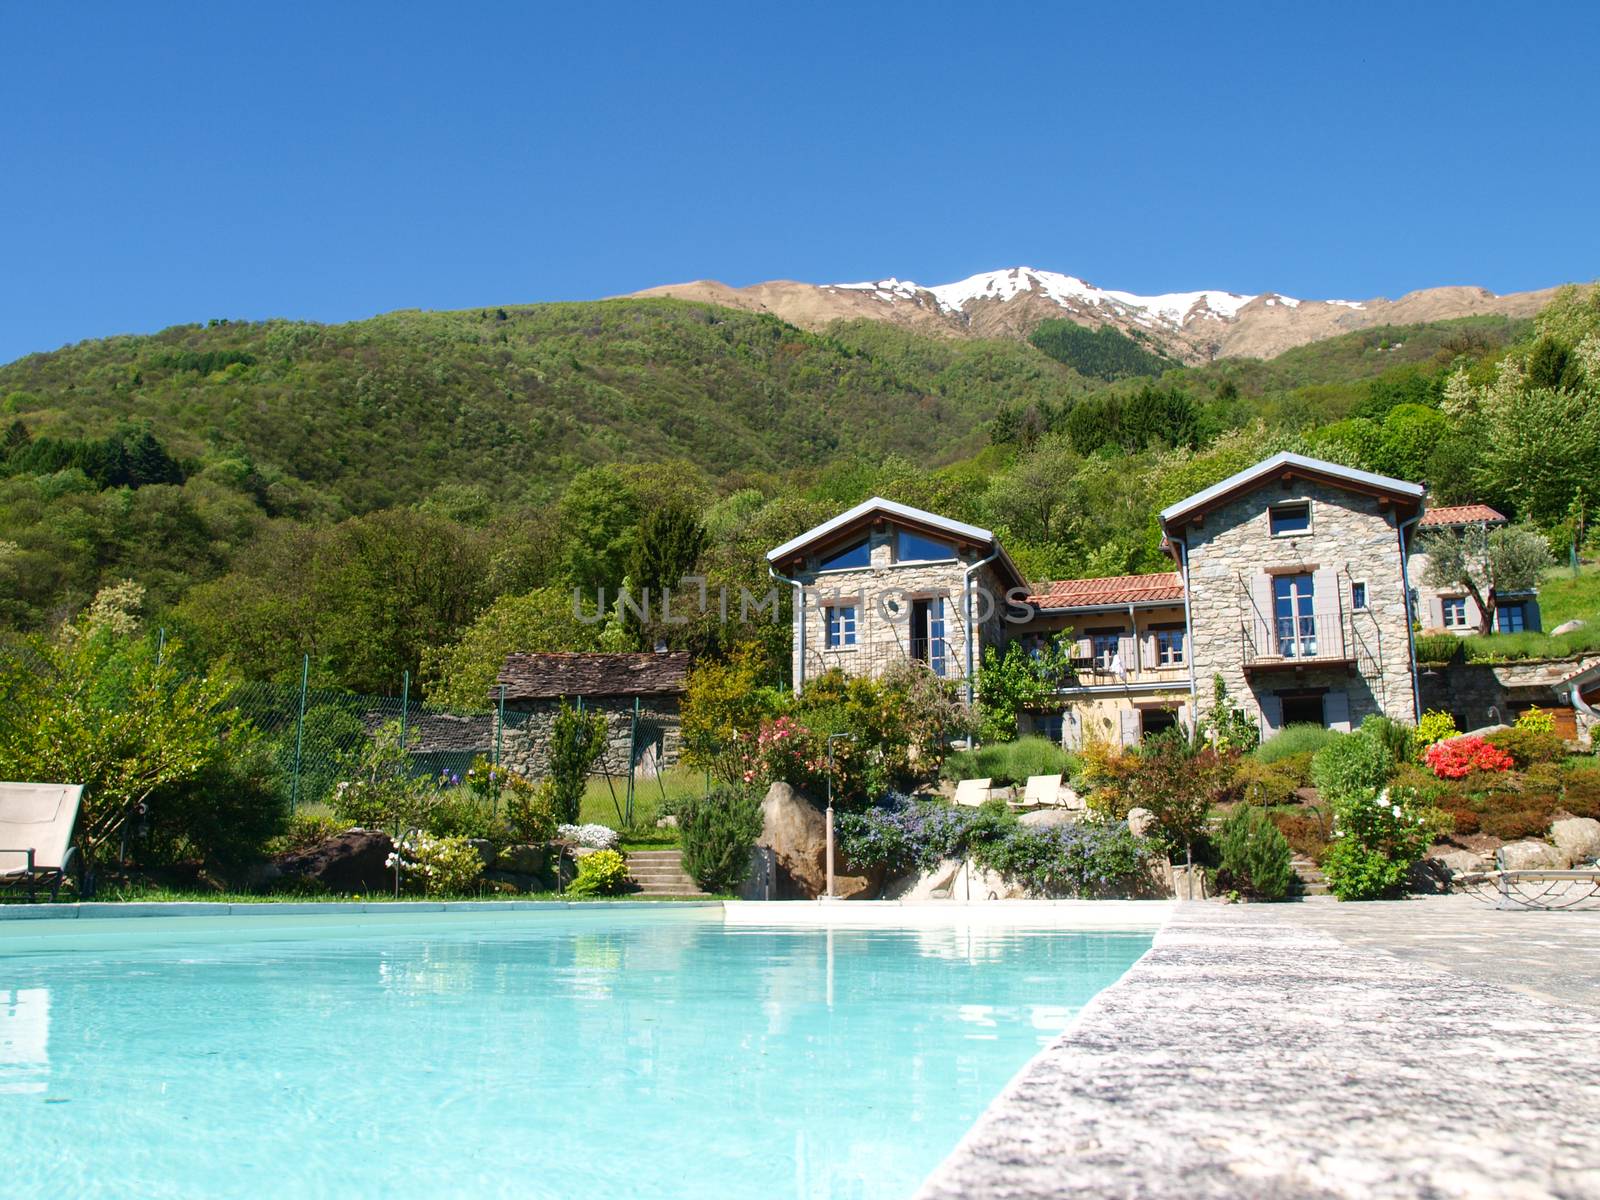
[1461, 514]
[548, 676]
[1114, 589]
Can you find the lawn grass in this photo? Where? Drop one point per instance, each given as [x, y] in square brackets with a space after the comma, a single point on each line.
[1011, 762]
[1294, 739]
[604, 803]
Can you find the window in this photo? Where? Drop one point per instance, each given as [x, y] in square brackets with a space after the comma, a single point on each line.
[1302, 708]
[1511, 618]
[1051, 726]
[1454, 609]
[1358, 595]
[913, 547]
[1287, 519]
[1106, 643]
[927, 633]
[1292, 598]
[841, 625]
[856, 556]
[1169, 647]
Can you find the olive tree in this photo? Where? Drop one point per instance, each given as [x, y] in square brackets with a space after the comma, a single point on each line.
[1485, 563]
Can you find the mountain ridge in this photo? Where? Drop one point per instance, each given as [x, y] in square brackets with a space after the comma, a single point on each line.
[1193, 327]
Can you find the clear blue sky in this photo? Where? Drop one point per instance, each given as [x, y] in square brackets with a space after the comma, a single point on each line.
[169, 163]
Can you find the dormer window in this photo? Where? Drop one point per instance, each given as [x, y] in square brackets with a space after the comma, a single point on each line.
[1286, 520]
[852, 557]
[913, 547]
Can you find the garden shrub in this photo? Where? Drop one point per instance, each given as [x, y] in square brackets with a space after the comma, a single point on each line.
[1397, 739]
[530, 810]
[1255, 856]
[1294, 740]
[1352, 765]
[1434, 727]
[1528, 747]
[723, 704]
[1536, 720]
[1378, 836]
[1580, 793]
[1303, 829]
[591, 834]
[1266, 784]
[225, 816]
[717, 832]
[1011, 762]
[1179, 784]
[1460, 757]
[460, 813]
[577, 740]
[1087, 859]
[603, 873]
[1227, 726]
[1511, 824]
[441, 866]
[1437, 648]
[303, 830]
[378, 791]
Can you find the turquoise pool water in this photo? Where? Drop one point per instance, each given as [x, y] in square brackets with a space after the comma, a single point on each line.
[591, 1055]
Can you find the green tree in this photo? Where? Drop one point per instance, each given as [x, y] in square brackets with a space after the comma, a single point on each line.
[577, 740]
[101, 705]
[461, 673]
[666, 547]
[1014, 681]
[599, 515]
[1486, 563]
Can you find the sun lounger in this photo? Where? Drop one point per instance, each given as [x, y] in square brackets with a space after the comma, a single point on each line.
[36, 822]
[1041, 790]
[972, 792]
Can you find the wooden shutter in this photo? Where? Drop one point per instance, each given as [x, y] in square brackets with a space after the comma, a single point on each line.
[1128, 722]
[1435, 607]
[1128, 652]
[1530, 616]
[1183, 719]
[1271, 715]
[1258, 621]
[1327, 607]
[1336, 711]
[1150, 658]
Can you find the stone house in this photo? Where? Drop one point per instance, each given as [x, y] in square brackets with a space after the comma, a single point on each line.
[1291, 583]
[885, 582]
[639, 695]
[1452, 609]
[1295, 581]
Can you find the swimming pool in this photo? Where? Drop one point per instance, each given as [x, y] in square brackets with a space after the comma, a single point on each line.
[577, 1053]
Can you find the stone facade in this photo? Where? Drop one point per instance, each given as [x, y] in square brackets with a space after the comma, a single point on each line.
[525, 740]
[1113, 703]
[1479, 694]
[1360, 660]
[884, 598]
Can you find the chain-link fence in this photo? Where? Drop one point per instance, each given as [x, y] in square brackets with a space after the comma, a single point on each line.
[315, 734]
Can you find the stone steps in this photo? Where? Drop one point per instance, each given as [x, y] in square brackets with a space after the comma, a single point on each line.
[1312, 881]
[661, 873]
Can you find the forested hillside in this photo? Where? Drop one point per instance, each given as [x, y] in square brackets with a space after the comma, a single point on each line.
[421, 491]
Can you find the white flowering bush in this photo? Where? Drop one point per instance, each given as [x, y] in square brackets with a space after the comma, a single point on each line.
[598, 837]
[1377, 837]
[439, 866]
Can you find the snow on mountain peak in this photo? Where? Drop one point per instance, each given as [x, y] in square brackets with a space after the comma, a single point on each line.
[1176, 309]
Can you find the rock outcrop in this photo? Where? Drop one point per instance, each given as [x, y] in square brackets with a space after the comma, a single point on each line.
[796, 831]
[1577, 837]
[351, 862]
[1533, 856]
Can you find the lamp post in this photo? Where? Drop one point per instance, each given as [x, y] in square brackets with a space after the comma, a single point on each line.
[832, 738]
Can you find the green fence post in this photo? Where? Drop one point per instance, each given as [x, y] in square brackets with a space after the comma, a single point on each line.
[299, 734]
[405, 702]
[633, 758]
[500, 726]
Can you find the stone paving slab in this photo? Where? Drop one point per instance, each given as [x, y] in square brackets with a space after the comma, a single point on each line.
[1252, 1053]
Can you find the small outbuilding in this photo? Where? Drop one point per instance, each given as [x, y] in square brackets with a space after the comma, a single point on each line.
[638, 694]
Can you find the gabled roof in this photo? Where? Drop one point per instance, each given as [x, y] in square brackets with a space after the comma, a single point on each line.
[867, 511]
[1294, 466]
[550, 676]
[876, 507]
[1108, 590]
[1463, 514]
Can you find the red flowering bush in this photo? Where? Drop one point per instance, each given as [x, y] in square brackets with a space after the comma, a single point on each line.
[1459, 757]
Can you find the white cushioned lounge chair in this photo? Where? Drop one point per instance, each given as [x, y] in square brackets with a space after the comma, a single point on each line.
[36, 822]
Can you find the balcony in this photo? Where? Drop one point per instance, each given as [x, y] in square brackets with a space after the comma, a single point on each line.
[1290, 643]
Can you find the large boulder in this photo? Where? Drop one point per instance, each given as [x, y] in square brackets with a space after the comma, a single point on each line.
[1141, 822]
[1571, 626]
[796, 831]
[1048, 818]
[352, 862]
[523, 859]
[1533, 856]
[955, 879]
[1463, 862]
[1577, 837]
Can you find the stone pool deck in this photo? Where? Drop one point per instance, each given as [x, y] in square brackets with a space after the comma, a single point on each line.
[1424, 1048]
